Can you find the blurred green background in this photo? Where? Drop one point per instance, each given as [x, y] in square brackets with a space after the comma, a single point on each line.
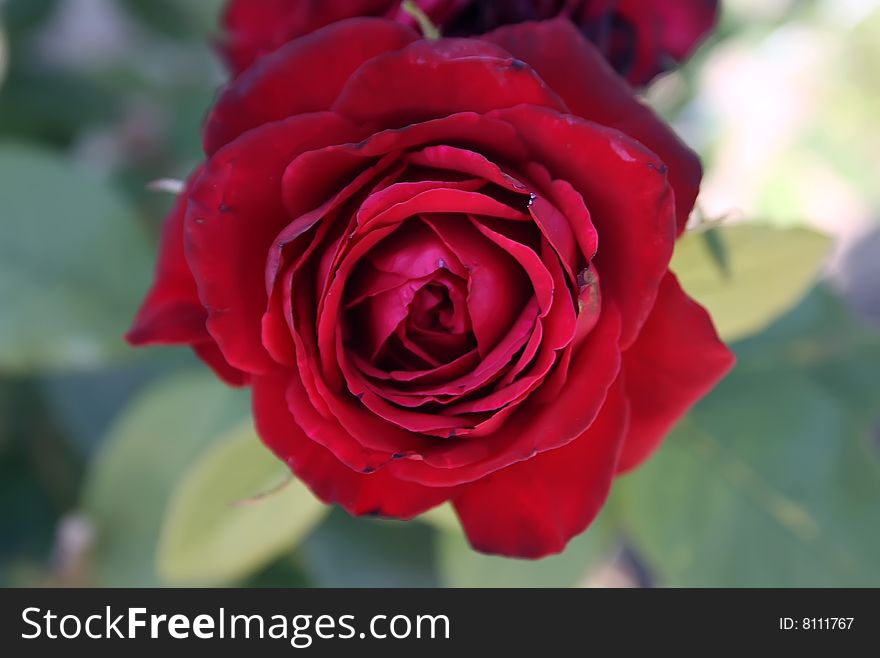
[120, 467]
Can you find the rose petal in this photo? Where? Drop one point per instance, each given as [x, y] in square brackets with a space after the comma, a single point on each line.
[485, 371]
[630, 203]
[433, 79]
[677, 359]
[466, 162]
[377, 493]
[497, 286]
[444, 373]
[315, 176]
[233, 215]
[306, 75]
[533, 508]
[531, 429]
[432, 201]
[573, 68]
[541, 280]
[570, 203]
[557, 330]
[171, 313]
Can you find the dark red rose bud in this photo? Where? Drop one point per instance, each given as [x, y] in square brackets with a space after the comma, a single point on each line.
[257, 27]
[640, 38]
[442, 266]
[644, 38]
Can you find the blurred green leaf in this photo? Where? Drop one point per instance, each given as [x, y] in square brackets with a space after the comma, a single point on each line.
[29, 107]
[86, 403]
[38, 474]
[28, 514]
[150, 447]
[73, 263]
[774, 479]
[770, 270]
[345, 551]
[462, 566]
[442, 517]
[823, 340]
[24, 15]
[283, 573]
[25, 574]
[235, 510]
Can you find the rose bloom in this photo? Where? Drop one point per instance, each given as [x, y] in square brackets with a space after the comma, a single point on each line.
[640, 38]
[442, 267]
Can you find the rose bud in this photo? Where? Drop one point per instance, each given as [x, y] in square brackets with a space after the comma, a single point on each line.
[640, 38]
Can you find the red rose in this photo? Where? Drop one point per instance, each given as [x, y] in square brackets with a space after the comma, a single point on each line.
[442, 267]
[640, 38]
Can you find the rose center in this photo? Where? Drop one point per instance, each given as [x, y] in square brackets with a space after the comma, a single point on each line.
[408, 308]
[432, 309]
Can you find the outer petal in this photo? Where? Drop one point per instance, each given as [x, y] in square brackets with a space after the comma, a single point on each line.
[377, 493]
[677, 359]
[171, 313]
[433, 79]
[235, 212]
[533, 508]
[576, 71]
[304, 76]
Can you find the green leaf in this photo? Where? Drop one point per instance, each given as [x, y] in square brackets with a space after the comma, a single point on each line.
[73, 263]
[774, 479]
[233, 512]
[346, 551]
[85, 404]
[29, 109]
[768, 271]
[25, 15]
[462, 566]
[148, 449]
[443, 518]
[284, 573]
[823, 341]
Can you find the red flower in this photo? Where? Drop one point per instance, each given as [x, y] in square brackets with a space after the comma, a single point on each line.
[640, 38]
[442, 267]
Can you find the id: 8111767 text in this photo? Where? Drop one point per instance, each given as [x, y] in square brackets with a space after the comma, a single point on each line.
[816, 623]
